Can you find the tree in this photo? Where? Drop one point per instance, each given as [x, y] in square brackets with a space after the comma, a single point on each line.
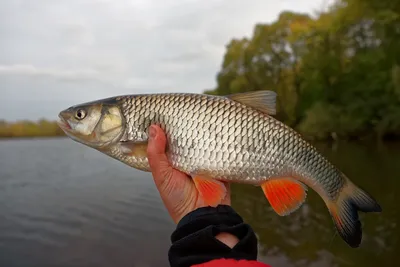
[337, 73]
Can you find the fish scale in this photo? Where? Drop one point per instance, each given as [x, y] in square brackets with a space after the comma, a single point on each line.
[213, 139]
[203, 124]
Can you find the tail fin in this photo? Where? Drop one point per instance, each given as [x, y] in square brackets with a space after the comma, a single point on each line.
[344, 212]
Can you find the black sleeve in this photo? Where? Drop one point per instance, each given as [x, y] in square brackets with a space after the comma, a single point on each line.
[194, 242]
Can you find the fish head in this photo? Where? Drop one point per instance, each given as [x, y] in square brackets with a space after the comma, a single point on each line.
[95, 124]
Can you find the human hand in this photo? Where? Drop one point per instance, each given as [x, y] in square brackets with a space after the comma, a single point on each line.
[177, 190]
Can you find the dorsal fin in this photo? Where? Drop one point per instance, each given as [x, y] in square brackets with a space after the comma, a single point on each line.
[264, 101]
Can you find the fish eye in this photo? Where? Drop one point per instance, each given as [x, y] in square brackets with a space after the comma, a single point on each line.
[80, 114]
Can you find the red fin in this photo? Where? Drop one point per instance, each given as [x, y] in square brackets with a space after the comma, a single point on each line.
[285, 195]
[212, 191]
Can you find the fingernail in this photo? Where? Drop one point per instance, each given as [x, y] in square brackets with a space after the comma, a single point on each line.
[152, 132]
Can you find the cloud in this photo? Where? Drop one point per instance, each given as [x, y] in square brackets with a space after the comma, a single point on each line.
[71, 51]
[67, 75]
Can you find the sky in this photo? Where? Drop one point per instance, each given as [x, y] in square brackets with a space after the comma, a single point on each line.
[58, 53]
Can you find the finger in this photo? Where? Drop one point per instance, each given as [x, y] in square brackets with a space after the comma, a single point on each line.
[158, 161]
[156, 145]
[227, 199]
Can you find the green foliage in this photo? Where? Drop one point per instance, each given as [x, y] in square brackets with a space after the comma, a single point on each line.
[335, 74]
[29, 129]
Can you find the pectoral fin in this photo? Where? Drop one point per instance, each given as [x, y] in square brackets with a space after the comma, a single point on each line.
[264, 101]
[211, 191]
[284, 194]
[135, 149]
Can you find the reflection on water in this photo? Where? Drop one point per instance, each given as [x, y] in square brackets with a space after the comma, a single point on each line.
[63, 204]
[307, 237]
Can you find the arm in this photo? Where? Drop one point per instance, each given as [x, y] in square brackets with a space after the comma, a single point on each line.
[203, 234]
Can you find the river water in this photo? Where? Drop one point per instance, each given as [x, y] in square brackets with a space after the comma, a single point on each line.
[64, 204]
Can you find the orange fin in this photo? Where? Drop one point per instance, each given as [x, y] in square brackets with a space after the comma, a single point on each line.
[212, 191]
[284, 194]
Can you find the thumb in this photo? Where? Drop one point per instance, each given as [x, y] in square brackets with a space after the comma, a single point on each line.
[158, 161]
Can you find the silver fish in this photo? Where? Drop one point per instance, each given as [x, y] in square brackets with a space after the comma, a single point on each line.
[231, 138]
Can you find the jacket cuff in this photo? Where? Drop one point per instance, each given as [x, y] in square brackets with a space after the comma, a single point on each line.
[194, 241]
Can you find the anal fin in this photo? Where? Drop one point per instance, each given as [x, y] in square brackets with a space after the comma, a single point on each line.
[285, 195]
[212, 191]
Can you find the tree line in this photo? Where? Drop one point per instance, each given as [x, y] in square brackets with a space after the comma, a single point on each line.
[41, 128]
[336, 74]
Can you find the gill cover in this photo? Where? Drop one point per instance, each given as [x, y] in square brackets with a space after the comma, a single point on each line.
[93, 124]
[110, 125]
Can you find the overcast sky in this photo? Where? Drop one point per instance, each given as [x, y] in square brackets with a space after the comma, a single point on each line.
[57, 53]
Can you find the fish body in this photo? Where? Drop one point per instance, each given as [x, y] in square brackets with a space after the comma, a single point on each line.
[222, 138]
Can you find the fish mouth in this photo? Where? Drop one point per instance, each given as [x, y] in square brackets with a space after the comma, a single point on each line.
[62, 123]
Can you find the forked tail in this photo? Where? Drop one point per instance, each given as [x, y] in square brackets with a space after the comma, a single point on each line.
[344, 211]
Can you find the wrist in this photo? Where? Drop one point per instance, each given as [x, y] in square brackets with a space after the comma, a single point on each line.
[212, 233]
[228, 239]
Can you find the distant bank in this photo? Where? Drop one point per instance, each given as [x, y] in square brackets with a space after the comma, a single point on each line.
[26, 129]
[29, 129]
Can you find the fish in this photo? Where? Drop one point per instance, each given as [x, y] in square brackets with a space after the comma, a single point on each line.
[215, 139]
